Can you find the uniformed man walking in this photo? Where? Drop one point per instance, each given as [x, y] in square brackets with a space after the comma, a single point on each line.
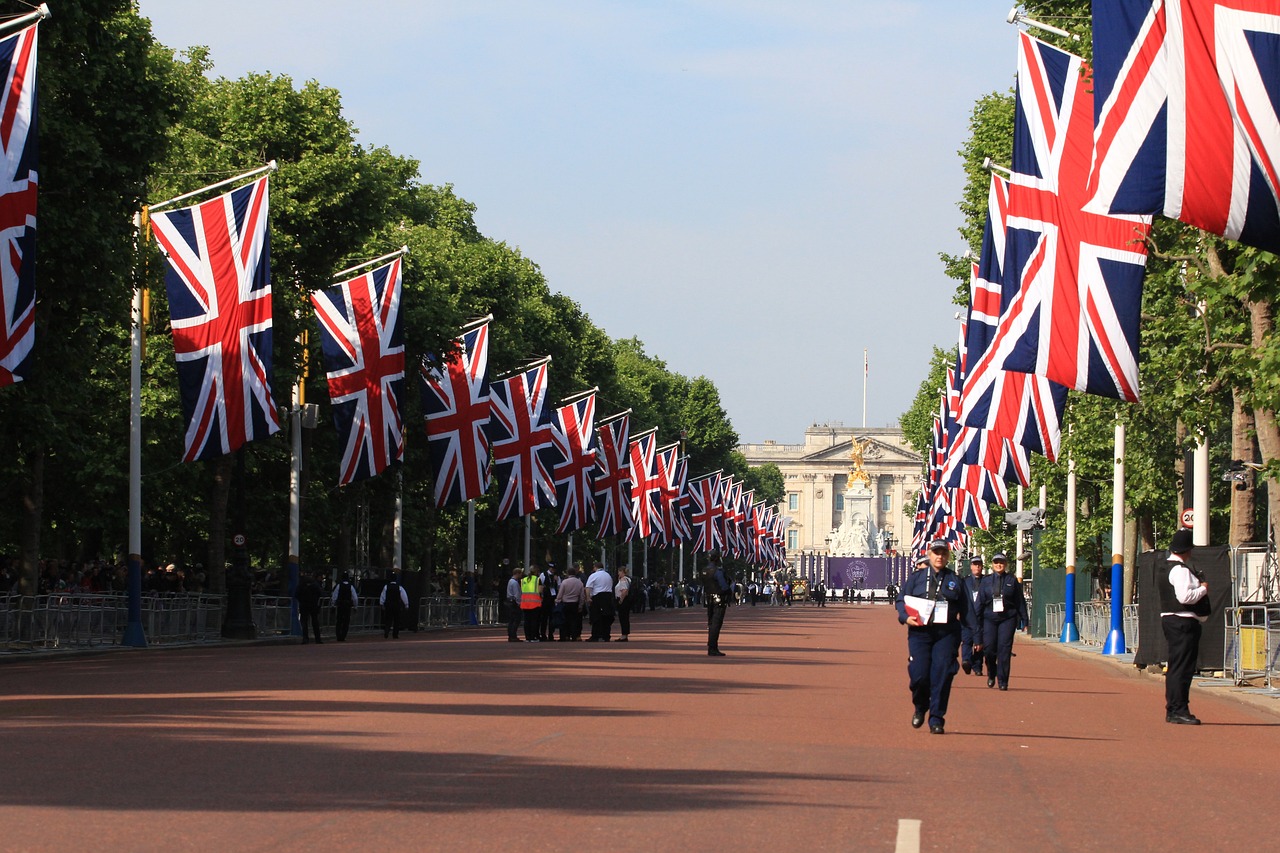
[933, 606]
[969, 632]
[1002, 609]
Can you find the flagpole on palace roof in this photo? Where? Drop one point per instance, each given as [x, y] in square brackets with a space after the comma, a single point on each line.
[40, 14]
[270, 167]
[403, 250]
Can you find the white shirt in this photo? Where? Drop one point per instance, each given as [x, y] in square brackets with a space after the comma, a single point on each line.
[1186, 588]
[599, 582]
[622, 587]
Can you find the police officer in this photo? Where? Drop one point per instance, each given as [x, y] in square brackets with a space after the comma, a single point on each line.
[969, 635]
[934, 614]
[1184, 606]
[719, 591]
[1002, 609]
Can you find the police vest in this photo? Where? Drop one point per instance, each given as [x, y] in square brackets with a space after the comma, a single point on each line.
[530, 598]
[1169, 602]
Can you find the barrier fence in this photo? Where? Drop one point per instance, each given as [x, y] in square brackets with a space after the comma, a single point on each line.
[88, 620]
[1253, 643]
[1093, 621]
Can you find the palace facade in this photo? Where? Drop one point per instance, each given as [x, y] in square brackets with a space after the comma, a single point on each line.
[817, 475]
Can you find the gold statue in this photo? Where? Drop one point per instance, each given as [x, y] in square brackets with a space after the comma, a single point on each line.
[858, 474]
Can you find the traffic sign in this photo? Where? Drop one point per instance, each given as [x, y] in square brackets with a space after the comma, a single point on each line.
[1188, 518]
[238, 539]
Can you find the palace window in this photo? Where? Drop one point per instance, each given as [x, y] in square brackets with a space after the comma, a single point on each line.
[839, 503]
[793, 539]
[886, 503]
[793, 501]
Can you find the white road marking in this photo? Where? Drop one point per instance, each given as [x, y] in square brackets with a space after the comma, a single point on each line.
[908, 836]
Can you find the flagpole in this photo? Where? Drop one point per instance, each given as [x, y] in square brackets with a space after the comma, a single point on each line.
[1069, 632]
[1200, 493]
[1018, 556]
[134, 634]
[270, 167]
[40, 14]
[865, 369]
[1115, 640]
[397, 529]
[528, 538]
[295, 495]
[403, 250]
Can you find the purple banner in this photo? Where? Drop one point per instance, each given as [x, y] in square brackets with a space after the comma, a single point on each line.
[865, 572]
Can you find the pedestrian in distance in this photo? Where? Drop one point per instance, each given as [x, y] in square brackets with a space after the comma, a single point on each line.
[547, 626]
[308, 597]
[514, 613]
[601, 603]
[970, 632]
[1184, 607]
[622, 600]
[933, 606]
[570, 600]
[719, 589]
[344, 598]
[531, 604]
[1002, 609]
[395, 603]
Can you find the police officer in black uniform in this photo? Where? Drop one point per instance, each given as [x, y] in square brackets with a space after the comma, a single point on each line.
[1002, 609]
[969, 634]
[1184, 606]
[933, 637]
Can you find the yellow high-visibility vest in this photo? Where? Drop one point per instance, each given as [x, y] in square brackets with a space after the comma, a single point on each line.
[530, 594]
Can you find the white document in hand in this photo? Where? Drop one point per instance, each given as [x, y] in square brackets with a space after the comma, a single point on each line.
[921, 608]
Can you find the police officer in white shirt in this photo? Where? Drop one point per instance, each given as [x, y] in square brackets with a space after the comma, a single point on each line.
[1184, 607]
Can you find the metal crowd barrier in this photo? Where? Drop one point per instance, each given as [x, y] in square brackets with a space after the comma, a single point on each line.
[1054, 616]
[1253, 643]
[87, 620]
[1093, 621]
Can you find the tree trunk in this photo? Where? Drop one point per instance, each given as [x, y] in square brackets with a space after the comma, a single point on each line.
[1130, 556]
[1267, 430]
[1180, 464]
[1147, 533]
[223, 469]
[32, 521]
[1243, 447]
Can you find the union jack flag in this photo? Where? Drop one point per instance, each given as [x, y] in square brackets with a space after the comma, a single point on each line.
[646, 487]
[219, 286]
[575, 438]
[1187, 120]
[704, 518]
[455, 398]
[730, 493]
[18, 182]
[523, 442]
[742, 523]
[1075, 318]
[613, 477]
[362, 339]
[674, 473]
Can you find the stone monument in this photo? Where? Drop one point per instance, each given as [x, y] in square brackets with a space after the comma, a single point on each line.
[857, 535]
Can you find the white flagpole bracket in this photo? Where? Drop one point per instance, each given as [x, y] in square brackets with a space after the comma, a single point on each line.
[270, 167]
[40, 14]
[1018, 17]
[992, 166]
[403, 250]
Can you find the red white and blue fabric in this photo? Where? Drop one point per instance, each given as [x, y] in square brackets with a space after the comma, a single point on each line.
[703, 514]
[1075, 318]
[675, 499]
[219, 286]
[1188, 123]
[522, 439]
[455, 401]
[730, 489]
[646, 488]
[665, 462]
[612, 484]
[575, 437]
[18, 182]
[742, 522]
[362, 340]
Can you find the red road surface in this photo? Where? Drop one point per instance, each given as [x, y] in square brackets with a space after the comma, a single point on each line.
[458, 740]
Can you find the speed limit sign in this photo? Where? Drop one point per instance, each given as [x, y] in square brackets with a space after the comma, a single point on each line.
[238, 539]
[1188, 518]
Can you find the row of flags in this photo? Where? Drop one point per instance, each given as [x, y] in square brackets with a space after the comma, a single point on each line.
[1177, 117]
[505, 433]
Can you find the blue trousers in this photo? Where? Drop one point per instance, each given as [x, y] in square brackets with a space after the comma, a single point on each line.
[969, 636]
[997, 647]
[932, 666]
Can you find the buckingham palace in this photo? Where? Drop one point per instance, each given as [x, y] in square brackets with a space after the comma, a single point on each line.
[849, 491]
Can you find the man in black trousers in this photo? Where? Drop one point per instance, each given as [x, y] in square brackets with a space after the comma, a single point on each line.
[1184, 607]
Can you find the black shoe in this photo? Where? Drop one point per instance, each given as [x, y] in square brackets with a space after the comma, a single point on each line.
[715, 653]
[1182, 719]
[967, 667]
[917, 719]
[936, 729]
[991, 681]
[1004, 687]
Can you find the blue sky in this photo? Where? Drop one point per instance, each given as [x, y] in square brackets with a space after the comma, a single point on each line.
[757, 189]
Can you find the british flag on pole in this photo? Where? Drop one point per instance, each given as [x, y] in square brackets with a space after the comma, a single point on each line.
[455, 400]
[1080, 272]
[575, 438]
[613, 477]
[1187, 114]
[362, 340]
[703, 513]
[18, 181]
[523, 442]
[219, 286]
[646, 487]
